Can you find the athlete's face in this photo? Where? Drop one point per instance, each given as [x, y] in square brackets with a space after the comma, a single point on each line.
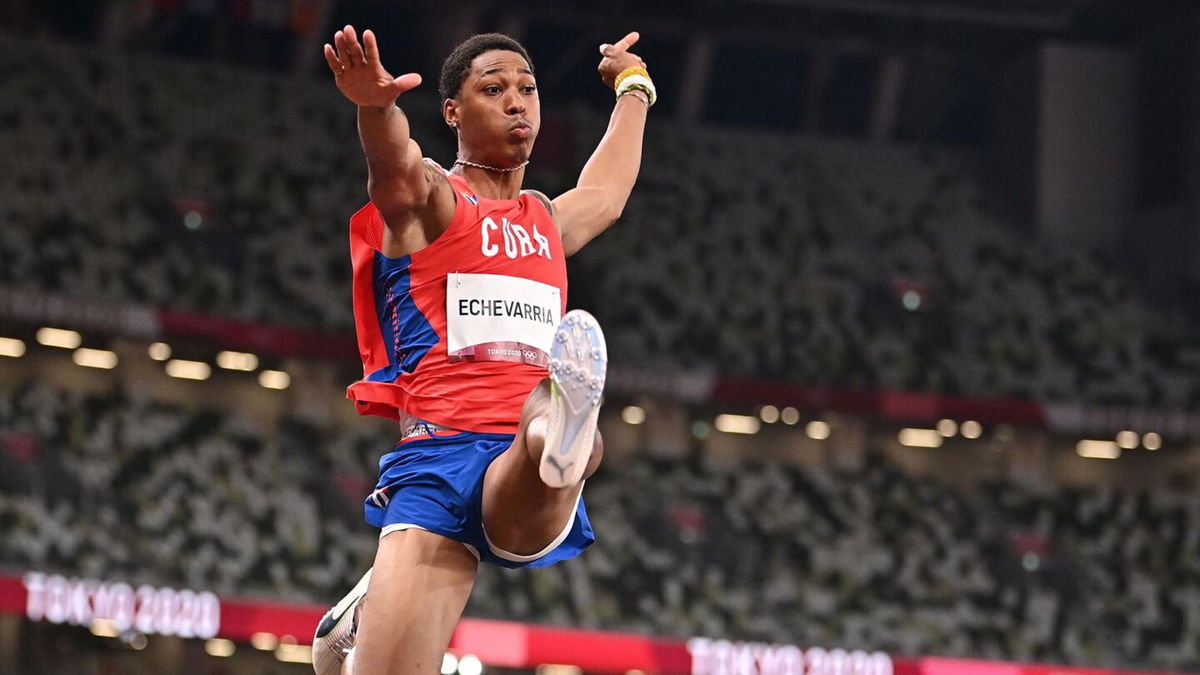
[497, 110]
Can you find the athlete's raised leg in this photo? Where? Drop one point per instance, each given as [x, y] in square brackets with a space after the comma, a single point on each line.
[418, 588]
[530, 491]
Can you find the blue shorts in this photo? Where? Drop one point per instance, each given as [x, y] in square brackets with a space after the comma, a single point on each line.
[436, 484]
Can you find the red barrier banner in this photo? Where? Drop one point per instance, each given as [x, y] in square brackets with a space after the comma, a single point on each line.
[726, 657]
[12, 595]
[68, 311]
[47, 597]
[605, 652]
[936, 666]
[258, 337]
[144, 609]
[932, 665]
[241, 618]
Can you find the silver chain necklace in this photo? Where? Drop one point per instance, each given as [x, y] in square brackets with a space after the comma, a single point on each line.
[485, 167]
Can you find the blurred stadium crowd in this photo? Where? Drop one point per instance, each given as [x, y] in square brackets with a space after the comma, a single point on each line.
[148, 180]
[818, 262]
[118, 486]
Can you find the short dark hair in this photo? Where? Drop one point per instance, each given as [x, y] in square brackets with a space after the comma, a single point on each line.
[458, 63]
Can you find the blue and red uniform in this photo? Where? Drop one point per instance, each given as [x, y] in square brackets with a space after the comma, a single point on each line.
[456, 335]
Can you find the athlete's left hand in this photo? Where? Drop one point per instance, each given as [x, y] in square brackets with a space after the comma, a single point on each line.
[616, 58]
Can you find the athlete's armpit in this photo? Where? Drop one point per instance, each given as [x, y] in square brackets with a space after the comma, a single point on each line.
[541, 197]
[438, 184]
[432, 174]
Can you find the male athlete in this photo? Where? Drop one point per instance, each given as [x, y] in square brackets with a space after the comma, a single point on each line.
[460, 290]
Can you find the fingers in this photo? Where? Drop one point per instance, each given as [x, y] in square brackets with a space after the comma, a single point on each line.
[346, 51]
[622, 45]
[339, 45]
[406, 82]
[332, 59]
[354, 49]
[349, 53]
[628, 41]
[372, 47]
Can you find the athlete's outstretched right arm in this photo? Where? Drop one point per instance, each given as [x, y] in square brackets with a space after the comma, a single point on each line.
[397, 181]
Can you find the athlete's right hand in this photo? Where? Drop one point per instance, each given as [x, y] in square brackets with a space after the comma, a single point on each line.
[359, 74]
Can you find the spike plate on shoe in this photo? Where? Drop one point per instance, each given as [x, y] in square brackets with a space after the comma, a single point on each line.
[578, 365]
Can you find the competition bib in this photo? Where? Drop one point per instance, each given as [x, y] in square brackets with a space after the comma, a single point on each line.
[495, 317]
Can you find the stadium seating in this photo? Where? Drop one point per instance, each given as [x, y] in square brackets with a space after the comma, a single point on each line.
[793, 256]
[117, 486]
[210, 189]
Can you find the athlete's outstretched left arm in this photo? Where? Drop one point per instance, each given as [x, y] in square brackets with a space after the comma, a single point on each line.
[597, 200]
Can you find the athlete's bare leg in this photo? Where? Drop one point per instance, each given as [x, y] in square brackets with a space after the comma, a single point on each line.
[521, 514]
[419, 586]
[420, 581]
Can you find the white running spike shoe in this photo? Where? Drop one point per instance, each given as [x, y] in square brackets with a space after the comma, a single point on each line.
[335, 634]
[578, 364]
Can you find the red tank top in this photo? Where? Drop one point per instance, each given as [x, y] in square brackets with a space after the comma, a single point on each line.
[459, 332]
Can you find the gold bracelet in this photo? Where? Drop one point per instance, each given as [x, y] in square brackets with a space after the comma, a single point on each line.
[632, 70]
[640, 82]
[638, 94]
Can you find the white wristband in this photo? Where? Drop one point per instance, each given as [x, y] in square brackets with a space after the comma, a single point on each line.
[640, 82]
